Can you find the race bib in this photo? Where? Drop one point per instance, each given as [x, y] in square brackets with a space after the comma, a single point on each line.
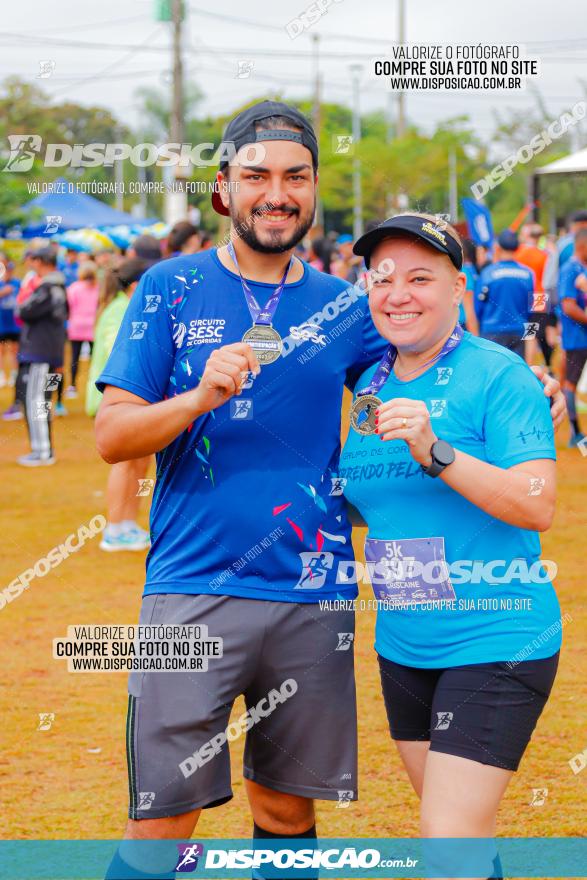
[409, 570]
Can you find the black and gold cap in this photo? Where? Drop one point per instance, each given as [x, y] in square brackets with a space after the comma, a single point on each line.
[434, 234]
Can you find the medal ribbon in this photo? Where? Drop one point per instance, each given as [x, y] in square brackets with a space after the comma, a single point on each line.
[260, 316]
[386, 363]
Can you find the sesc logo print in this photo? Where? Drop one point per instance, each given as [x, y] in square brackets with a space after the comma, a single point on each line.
[179, 332]
[308, 332]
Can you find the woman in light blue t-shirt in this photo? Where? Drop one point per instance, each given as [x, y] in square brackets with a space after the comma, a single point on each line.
[450, 461]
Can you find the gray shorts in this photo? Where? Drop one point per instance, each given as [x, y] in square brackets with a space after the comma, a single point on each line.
[293, 663]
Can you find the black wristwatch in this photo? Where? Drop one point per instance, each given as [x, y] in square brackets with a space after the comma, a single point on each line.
[442, 455]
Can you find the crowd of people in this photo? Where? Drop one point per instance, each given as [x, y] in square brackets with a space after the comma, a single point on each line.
[528, 295]
[76, 300]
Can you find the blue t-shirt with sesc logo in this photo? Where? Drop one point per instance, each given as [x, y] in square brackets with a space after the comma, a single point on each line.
[246, 501]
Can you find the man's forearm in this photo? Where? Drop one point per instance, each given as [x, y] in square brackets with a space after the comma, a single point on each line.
[574, 311]
[132, 430]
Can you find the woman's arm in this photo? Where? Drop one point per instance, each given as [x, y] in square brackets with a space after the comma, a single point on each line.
[129, 427]
[523, 495]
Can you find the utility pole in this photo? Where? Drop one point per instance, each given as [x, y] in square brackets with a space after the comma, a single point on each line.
[317, 116]
[401, 110]
[356, 70]
[119, 179]
[389, 125]
[176, 202]
[453, 198]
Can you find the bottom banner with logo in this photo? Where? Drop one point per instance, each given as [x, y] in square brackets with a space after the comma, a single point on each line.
[334, 857]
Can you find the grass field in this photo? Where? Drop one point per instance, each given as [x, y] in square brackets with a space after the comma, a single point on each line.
[70, 781]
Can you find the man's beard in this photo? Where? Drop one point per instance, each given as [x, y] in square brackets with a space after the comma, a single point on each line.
[245, 228]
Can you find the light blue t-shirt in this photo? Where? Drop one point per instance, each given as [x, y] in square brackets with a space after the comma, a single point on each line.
[574, 334]
[245, 503]
[486, 402]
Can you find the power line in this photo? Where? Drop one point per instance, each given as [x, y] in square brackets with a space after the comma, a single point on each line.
[262, 25]
[219, 50]
[113, 64]
[96, 24]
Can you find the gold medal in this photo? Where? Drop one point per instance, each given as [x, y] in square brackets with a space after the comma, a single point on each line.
[363, 413]
[265, 342]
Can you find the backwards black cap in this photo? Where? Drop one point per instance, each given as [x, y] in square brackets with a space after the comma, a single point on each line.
[429, 232]
[242, 130]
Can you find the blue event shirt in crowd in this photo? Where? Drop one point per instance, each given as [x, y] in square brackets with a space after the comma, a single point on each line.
[472, 276]
[486, 402]
[7, 306]
[245, 503]
[574, 334]
[503, 297]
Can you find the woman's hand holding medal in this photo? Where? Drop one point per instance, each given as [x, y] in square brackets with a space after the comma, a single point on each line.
[226, 370]
[409, 420]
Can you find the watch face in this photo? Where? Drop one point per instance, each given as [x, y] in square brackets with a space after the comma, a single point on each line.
[443, 453]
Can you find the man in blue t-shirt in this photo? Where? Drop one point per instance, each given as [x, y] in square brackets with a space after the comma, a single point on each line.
[561, 254]
[69, 266]
[237, 386]
[503, 297]
[573, 302]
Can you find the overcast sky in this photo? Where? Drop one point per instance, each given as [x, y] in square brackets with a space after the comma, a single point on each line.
[134, 50]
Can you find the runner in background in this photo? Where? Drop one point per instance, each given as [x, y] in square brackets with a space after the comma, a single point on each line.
[30, 281]
[69, 266]
[146, 248]
[42, 342]
[467, 316]
[503, 296]
[562, 252]
[82, 299]
[9, 329]
[573, 303]
[533, 256]
[126, 477]
[346, 265]
[184, 238]
[320, 254]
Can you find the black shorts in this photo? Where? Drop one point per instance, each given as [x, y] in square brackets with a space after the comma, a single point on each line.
[512, 341]
[543, 319]
[9, 337]
[485, 712]
[576, 359]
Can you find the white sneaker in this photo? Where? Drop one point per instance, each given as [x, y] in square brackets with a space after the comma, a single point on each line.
[33, 459]
[126, 541]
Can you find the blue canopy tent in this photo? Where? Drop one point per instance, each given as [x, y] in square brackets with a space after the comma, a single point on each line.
[77, 210]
